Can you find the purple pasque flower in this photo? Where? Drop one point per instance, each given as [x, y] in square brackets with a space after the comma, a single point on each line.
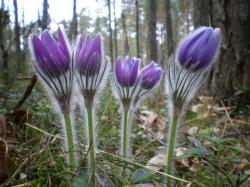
[51, 57]
[126, 73]
[53, 63]
[150, 75]
[125, 80]
[195, 55]
[91, 66]
[199, 48]
[88, 55]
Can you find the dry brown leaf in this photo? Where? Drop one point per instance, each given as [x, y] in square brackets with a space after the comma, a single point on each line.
[197, 108]
[241, 165]
[23, 176]
[216, 131]
[179, 152]
[192, 131]
[152, 122]
[192, 164]
[157, 162]
[206, 99]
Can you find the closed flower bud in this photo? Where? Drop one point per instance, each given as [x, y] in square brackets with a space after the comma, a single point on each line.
[52, 57]
[199, 48]
[150, 75]
[88, 55]
[127, 72]
[91, 67]
[53, 63]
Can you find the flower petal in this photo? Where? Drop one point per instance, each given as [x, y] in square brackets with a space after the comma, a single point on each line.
[119, 71]
[133, 75]
[186, 43]
[43, 58]
[62, 43]
[55, 54]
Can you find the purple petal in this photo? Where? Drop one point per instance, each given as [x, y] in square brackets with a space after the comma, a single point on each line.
[95, 46]
[210, 49]
[42, 57]
[55, 54]
[196, 51]
[127, 65]
[80, 57]
[133, 75]
[199, 48]
[148, 68]
[89, 57]
[187, 42]
[119, 71]
[62, 43]
[78, 48]
[85, 46]
[152, 76]
[93, 64]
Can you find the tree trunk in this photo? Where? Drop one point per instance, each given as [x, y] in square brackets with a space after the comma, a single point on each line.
[137, 28]
[2, 4]
[4, 50]
[17, 28]
[97, 22]
[169, 28]
[110, 33]
[115, 31]
[124, 33]
[45, 18]
[186, 15]
[231, 73]
[152, 43]
[73, 26]
[201, 13]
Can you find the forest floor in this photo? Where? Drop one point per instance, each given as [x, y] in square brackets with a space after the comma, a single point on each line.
[213, 142]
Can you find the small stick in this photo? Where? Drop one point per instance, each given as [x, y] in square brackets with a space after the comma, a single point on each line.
[26, 93]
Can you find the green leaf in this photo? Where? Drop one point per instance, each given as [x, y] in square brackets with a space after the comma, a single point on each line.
[236, 148]
[233, 160]
[140, 175]
[190, 153]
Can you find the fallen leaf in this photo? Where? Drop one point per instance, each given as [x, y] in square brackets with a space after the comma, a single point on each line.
[179, 152]
[157, 162]
[192, 131]
[152, 124]
[192, 163]
[23, 176]
[241, 165]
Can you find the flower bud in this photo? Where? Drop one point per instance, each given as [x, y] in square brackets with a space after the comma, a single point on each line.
[199, 48]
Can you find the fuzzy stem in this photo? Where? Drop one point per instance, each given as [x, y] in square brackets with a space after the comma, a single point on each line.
[171, 147]
[91, 145]
[70, 141]
[125, 136]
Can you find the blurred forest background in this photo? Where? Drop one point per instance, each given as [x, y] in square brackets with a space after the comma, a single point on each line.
[143, 28]
[149, 29]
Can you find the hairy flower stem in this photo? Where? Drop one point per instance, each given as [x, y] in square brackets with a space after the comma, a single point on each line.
[70, 141]
[91, 144]
[125, 136]
[171, 146]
